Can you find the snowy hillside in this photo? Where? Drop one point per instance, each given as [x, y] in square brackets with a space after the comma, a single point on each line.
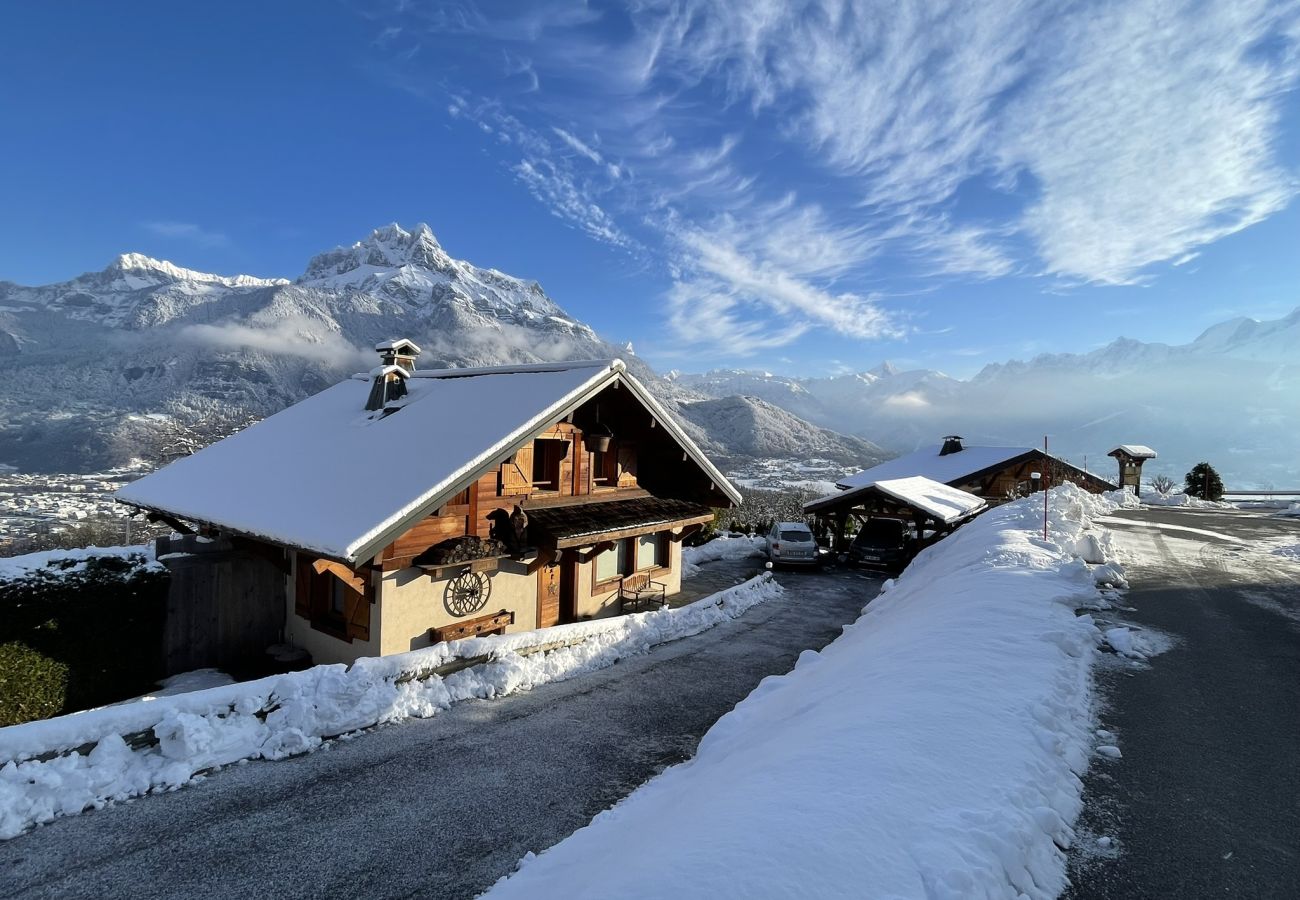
[750, 427]
[129, 361]
[1232, 397]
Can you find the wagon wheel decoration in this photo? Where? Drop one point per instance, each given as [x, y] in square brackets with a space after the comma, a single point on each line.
[468, 592]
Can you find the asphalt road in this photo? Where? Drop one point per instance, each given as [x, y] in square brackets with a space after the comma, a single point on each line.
[441, 807]
[1206, 799]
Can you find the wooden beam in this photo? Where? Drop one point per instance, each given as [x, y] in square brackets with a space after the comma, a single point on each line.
[631, 531]
[171, 521]
[348, 576]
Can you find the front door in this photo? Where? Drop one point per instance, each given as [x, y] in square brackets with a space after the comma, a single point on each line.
[548, 595]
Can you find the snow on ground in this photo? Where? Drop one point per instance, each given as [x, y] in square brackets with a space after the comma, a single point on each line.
[285, 715]
[1134, 644]
[934, 750]
[725, 546]
[185, 682]
[64, 562]
[1155, 498]
[1293, 510]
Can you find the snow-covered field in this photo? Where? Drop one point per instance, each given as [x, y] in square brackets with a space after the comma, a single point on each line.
[816, 475]
[934, 750]
[163, 742]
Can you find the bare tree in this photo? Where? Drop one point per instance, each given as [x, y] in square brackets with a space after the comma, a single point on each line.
[1163, 483]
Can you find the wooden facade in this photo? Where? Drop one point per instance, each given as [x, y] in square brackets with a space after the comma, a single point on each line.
[552, 581]
[427, 579]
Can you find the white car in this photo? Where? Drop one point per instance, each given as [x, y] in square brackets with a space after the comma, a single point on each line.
[791, 543]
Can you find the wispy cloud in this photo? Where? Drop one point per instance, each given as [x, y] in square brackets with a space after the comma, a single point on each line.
[187, 231]
[787, 161]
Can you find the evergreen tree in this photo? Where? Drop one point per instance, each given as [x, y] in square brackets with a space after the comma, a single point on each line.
[1203, 482]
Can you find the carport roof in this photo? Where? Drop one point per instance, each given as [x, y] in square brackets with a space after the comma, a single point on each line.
[936, 500]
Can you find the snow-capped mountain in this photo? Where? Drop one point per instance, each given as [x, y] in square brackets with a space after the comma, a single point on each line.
[1231, 397]
[117, 364]
[754, 428]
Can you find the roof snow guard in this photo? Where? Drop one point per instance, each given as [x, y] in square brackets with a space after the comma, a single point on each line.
[326, 477]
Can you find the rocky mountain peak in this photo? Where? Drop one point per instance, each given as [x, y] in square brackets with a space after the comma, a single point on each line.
[387, 248]
[136, 270]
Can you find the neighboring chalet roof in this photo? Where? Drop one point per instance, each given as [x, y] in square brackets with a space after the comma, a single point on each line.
[1135, 451]
[572, 526]
[326, 476]
[952, 468]
[938, 501]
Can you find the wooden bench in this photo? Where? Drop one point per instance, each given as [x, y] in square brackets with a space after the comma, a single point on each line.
[638, 592]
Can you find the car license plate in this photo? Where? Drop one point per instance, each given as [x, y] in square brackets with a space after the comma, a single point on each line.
[869, 558]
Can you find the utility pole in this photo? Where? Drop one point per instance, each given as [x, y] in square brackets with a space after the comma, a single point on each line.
[1047, 480]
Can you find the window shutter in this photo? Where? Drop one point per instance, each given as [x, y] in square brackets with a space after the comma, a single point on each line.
[357, 614]
[517, 476]
[626, 464]
[302, 587]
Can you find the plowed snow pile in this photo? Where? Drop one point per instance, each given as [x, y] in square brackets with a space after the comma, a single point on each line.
[934, 750]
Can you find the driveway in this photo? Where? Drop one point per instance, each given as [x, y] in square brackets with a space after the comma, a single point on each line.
[1206, 799]
[441, 807]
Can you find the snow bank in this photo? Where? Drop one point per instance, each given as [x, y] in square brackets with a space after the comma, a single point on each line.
[1155, 498]
[161, 743]
[64, 562]
[1293, 510]
[934, 750]
[724, 546]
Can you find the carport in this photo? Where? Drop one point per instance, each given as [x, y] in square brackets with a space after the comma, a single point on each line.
[928, 505]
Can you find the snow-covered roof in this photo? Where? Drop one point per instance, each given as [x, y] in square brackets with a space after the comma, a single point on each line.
[926, 462]
[944, 503]
[327, 476]
[1137, 451]
[399, 344]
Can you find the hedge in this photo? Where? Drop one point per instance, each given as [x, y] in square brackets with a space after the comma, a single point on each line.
[77, 634]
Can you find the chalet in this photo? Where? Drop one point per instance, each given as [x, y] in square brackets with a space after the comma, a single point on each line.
[404, 507]
[909, 486]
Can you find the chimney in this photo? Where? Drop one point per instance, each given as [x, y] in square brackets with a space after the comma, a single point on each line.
[387, 383]
[398, 352]
[951, 444]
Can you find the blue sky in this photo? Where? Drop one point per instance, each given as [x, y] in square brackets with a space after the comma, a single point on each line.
[805, 187]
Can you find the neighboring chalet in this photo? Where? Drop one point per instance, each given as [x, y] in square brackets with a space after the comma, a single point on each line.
[1130, 458]
[984, 476]
[406, 507]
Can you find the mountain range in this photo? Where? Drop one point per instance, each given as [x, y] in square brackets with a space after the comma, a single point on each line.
[145, 358]
[1230, 397]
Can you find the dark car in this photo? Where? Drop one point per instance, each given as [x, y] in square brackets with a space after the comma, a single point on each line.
[882, 544]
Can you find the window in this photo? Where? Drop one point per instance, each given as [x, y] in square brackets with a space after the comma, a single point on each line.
[335, 599]
[650, 551]
[548, 454]
[338, 595]
[612, 563]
